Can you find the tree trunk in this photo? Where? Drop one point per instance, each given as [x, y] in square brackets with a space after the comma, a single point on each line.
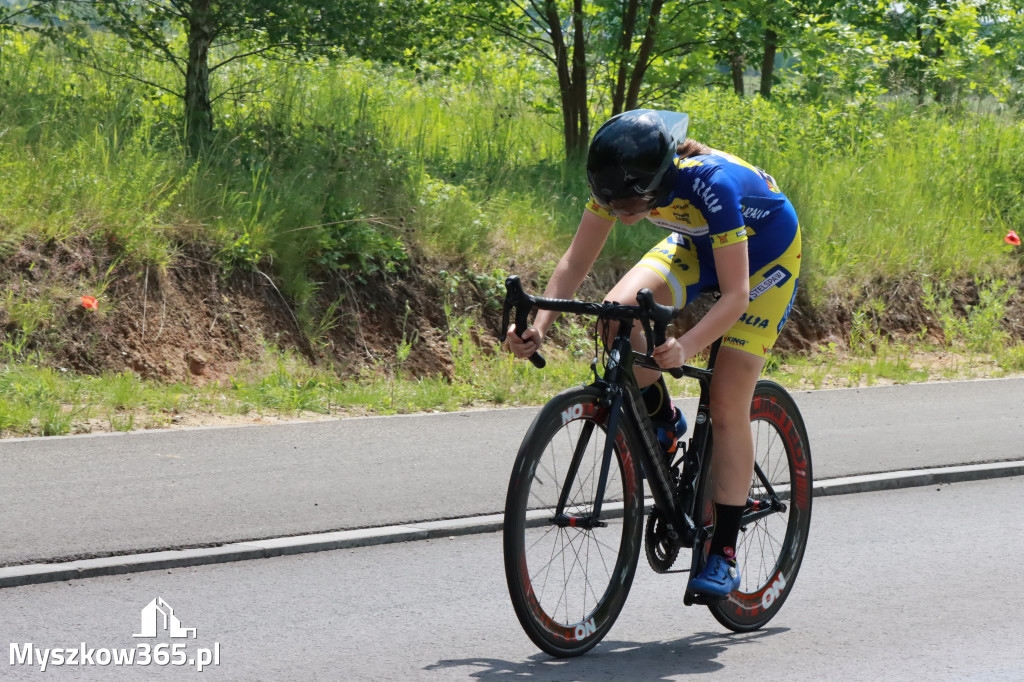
[579, 80]
[572, 78]
[736, 68]
[644, 55]
[198, 110]
[771, 43]
[625, 50]
[920, 69]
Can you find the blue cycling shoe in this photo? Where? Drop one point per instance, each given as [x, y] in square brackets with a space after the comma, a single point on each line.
[669, 434]
[718, 578]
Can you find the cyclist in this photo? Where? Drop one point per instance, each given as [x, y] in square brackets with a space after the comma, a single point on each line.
[731, 227]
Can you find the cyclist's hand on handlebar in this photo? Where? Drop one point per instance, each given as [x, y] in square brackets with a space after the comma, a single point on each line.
[526, 345]
[670, 354]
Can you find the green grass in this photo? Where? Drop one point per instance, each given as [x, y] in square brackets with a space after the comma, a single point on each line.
[41, 401]
[336, 171]
[345, 167]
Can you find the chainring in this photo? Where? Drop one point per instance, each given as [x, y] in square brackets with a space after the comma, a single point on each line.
[661, 550]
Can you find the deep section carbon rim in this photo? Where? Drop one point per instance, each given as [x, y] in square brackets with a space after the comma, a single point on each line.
[771, 548]
[567, 579]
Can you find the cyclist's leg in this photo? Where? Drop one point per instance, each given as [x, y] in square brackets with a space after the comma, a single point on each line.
[740, 361]
[742, 357]
[732, 389]
[672, 273]
[732, 466]
[624, 292]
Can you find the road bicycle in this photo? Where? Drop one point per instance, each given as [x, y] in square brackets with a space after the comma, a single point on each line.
[574, 514]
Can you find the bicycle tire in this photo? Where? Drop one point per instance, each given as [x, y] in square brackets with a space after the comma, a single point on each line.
[771, 549]
[566, 587]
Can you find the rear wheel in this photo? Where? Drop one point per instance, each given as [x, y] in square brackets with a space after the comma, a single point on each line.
[771, 545]
[568, 579]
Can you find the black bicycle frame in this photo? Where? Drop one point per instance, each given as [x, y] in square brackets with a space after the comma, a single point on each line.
[621, 392]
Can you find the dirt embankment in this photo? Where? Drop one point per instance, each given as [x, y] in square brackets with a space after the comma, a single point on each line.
[191, 323]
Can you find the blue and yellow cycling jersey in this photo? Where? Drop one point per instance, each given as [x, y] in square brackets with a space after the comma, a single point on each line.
[720, 199]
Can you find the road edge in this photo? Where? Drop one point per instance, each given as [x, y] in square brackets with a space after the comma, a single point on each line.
[34, 574]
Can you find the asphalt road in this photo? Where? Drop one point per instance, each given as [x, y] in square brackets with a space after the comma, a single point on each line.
[83, 496]
[912, 584]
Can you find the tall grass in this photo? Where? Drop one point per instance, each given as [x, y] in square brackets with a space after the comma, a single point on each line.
[335, 170]
[883, 190]
[347, 166]
[342, 169]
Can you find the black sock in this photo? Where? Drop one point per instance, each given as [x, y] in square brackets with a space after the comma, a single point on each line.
[658, 402]
[727, 530]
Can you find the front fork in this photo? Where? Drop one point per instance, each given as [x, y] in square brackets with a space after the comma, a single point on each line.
[562, 519]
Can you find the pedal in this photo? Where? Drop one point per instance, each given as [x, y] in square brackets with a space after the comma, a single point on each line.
[691, 598]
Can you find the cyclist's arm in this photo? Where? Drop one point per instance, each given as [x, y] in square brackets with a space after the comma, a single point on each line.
[574, 265]
[731, 264]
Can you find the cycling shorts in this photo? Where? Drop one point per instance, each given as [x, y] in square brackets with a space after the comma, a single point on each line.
[772, 289]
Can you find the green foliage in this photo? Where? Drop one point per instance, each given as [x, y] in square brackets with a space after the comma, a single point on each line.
[342, 169]
[979, 329]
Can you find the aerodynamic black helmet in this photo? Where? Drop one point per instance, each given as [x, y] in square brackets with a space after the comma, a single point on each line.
[631, 155]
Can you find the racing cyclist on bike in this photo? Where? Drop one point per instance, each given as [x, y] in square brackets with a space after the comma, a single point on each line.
[731, 227]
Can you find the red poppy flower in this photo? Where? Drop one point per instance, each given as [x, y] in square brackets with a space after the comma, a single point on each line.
[89, 302]
[1012, 238]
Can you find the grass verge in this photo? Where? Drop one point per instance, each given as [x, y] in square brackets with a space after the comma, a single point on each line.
[42, 401]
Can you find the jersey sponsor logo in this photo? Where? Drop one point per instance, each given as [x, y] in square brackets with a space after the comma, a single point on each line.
[755, 321]
[755, 213]
[789, 308]
[769, 180]
[735, 341]
[678, 263]
[734, 237]
[679, 216]
[678, 211]
[703, 190]
[775, 277]
[678, 239]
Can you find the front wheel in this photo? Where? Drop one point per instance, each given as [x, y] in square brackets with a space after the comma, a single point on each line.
[568, 578]
[771, 545]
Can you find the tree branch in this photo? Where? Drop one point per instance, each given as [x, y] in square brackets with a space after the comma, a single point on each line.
[103, 68]
[530, 43]
[250, 53]
[670, 21]
[150, 37]
[532, 17]
[684, 48]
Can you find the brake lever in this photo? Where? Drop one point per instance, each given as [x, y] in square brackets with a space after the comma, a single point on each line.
[661, 315]
[517, 298]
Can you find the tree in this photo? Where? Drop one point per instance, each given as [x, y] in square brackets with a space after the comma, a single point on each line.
[217, 34]
[606, 47]
[757, 30]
